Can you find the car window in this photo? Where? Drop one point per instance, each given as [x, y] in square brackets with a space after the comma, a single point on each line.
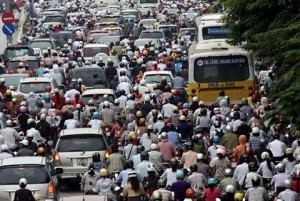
[41, 44]
[54, 19]
[17, 52]
[156, 78]
[92, 51]
[35, 87]
[34, 174]
[13, 80]
[90, 77]
[15, 64]
[81, 143]
[158, 35]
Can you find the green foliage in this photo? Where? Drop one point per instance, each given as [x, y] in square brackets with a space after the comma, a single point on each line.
[272, 31]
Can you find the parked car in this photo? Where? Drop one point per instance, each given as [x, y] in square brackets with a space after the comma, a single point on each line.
[39, 173]
[74, 150]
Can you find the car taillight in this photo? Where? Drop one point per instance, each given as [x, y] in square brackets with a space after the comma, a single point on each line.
[56, 159]
[9, 71]
[50, 190]
[106, 154]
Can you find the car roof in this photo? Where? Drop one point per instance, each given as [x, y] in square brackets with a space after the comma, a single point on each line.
[95, 45]
[24, 160]
[98, 91]
[14, 75]
[80, 131]
[87, 68]
[153, 30]
[24, 58]
[36, 79]
[157, 72]
[42, 39]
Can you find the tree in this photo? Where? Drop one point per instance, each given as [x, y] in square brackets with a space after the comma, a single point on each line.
[272, 31]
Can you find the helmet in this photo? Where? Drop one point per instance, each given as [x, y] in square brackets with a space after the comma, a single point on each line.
[175, 109]
[128, 164]
[41, 150]
[139, 114]
[150, 127]
[161, 183]
[96, 157]
[229, 189]
[212, 181]
[144, 156]
[182, 118]
[186, 106]
[228, 129]
[156, 195]
[147, 98]
[142, 121]
[189, 193]
[4, 147]
[194, 168]
[288, 183]
[200, 156]
[252, 167]
[22, 182]
[265, 155]
[25, 142]
[133, 135]
[153, 146]
[179, 174]
[280, 167]
[255, 179]
[245, 101]
[195, 99]
[140, 148]
[30, 134]
[216, 139]
[185, 112]
[9, 122]
[238, 196]
[218, 118]
[103, 172]
[255, 130]
[151, 168]
[289, 151]
[189, 145]
[116, 101]
[228, 172]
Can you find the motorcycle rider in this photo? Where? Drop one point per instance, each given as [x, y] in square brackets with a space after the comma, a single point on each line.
[288, 194]
[142, 167]
[123, 176]
[25, 151]
[228, 180]
[156, 157]
[166, 194]
[190, 157]
[10, 135]
[23, 194]
[180, 186]
[278, 179]
[4, 152]
[105, 185]
[89, 179]
[170, 173]
[256, 193]
[197, 180]
[150, 182]
[98, 165]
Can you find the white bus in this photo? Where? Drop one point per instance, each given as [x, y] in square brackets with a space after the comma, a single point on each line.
[147, 3]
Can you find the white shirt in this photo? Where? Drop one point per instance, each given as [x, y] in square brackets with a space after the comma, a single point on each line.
[277, 148]
[265, 171]
[122, 100]
[71, 123]
[95, 123]
[71, 93]
[167, 110]
[124, 86]
[170, 175]
[36, 134]
[289, 195]
[240, 171]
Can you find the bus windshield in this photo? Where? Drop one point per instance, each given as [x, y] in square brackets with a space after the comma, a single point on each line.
[148, 1]
[221, 69]
[215, 32]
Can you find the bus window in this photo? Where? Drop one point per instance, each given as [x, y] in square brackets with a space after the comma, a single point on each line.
[221, 69]
[215, 32]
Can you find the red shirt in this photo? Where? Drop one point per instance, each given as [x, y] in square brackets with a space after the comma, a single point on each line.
[59, 101]
[212, 195]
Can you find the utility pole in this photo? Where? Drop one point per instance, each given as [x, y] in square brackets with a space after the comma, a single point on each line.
[7, 9]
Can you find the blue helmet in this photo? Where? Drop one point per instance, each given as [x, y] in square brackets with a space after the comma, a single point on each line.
[179, 174]
[212, 181]
[186, 106]
[96, 115]
[79, 59]
[216, 139]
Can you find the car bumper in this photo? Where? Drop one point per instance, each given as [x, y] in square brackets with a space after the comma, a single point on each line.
[73, 172]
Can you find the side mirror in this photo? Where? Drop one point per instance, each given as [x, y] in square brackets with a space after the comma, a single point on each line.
[37, 54]
[58, 170]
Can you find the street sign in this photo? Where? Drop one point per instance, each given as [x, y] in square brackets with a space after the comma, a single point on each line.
[8, 29]
[8, 18]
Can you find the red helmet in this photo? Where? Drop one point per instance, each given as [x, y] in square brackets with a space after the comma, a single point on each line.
[142, 121]
[249, 150]
[176, 92]
[180, 105]
[138, 104]
[48, 89]
[189, 193]
[218, 118]
[167, 121]
[185, 112]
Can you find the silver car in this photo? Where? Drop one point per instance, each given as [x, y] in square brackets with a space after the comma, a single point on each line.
[74, 150]
[39, 173]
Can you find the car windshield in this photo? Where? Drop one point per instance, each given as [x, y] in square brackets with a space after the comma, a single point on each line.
[90, 77]
[86, 98]
[92, 51]
[98, 36]
[15, 64]
[35, 87]
[143, 42]
[34, 174]
[60, 19]
[17, 52]
[43, 45]
[62, 39]
[71, 143]
[156, 34]
[156, 78]
[13, 80]
[148, 22]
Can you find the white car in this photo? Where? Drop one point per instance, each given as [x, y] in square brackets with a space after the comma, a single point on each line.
[155, 77]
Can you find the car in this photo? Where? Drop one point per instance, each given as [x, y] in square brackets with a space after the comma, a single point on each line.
[74, 149]
[55, 18]
[169, 30]
[43, 43]
[88, 94]
[154, 77]
[31, 61]
[13, 79]
[91, 50]
[102, 25]
[110, 39]
[140, 43]
[62, 37]
[147, 23]
[105, 58]
[39, 173]
[36, 85]
[154, 34]
[92, 77]
[16, 51]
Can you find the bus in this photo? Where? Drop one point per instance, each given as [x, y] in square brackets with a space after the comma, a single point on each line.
[215, 67]
[147, 3]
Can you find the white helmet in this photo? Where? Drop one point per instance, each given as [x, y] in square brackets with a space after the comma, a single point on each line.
[229, 189]
[106, 103]
[43, 117]
[25, 142]
[23, 182]
[147, 98]
[151, 168]
[153, 146]
[29, 134]
[255, 130]
[9, 122]
[116, 101]
[4, 147]
[195, 99]
[265, 155]
[200, 156]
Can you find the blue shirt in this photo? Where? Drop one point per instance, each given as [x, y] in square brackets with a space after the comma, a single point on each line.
[123, 177]
[179, 189]
[174, 138]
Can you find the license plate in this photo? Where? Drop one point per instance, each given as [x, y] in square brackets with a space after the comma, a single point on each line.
[221, 84]
[82, 162]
